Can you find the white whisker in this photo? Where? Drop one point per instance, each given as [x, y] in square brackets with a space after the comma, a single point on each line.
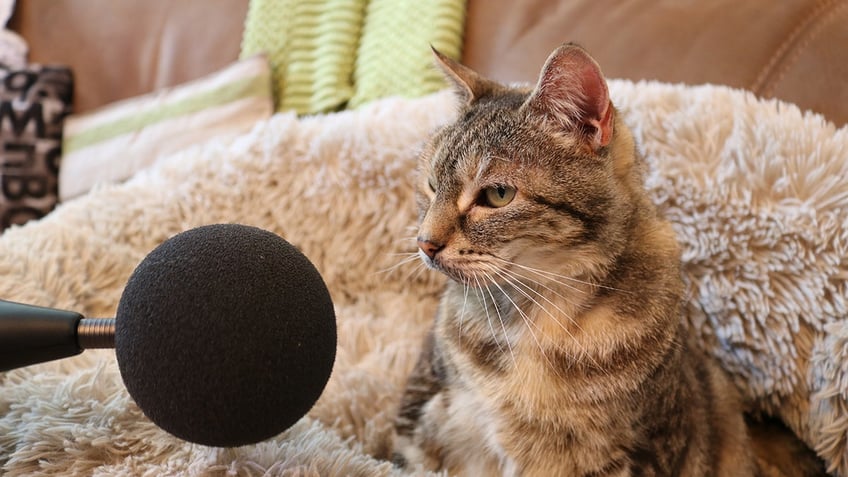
[419, 269]
[550, 276]
[403, 254]
[519, 277]
[506, 275]
[486, 309]
[554, 276]
[527, 322]
[462, 313]
[500, 318]
[405, 239]
[409, 258]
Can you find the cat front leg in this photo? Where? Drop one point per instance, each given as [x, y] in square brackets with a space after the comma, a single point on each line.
[420, 448]
[418, 418]
[454, 434]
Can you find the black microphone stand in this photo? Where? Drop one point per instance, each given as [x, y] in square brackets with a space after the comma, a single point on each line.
[33, 334]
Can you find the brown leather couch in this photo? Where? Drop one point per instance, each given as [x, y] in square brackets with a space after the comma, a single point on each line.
[794, 50]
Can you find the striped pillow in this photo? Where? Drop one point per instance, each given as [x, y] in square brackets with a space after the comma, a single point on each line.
[328, 55]
[112, 143]
[394, 56]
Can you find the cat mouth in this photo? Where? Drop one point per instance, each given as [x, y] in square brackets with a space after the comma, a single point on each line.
[474, 273]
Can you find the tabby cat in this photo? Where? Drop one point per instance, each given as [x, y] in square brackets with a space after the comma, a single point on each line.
[558, 348]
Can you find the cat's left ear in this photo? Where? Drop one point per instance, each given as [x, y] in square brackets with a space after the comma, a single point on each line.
[572, 92]
[467, 84]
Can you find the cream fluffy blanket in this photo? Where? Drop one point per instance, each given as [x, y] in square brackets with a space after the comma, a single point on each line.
[758, 193]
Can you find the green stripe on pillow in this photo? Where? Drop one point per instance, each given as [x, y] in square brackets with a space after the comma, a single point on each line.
[328, 55]
[311, 47]
[256, 86]
[114, 142]
[394, 56]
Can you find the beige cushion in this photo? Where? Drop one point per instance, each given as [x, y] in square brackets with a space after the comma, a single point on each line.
[112, 143]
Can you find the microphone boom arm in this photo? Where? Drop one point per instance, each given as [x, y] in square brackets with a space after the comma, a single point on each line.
[32, 334]
[95, 333]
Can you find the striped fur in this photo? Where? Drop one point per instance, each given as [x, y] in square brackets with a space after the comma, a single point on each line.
[558, 348]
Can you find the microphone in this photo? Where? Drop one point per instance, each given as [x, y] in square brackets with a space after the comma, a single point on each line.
[225, 335]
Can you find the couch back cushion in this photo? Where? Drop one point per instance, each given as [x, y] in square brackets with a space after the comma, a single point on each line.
[792, 50]
[119, 49]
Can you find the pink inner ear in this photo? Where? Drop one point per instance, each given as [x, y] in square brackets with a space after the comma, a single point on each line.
[572, 89]
[596, 108]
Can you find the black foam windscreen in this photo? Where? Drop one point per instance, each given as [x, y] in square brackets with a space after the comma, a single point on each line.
[225, 335]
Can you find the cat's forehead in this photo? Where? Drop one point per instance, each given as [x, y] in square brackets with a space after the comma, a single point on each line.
[492, 138]
[481, 132]
[472, 166]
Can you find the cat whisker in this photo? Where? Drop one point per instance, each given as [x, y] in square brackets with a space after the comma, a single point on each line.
[409, 257]
[549, 276]
[554, 276]
[507, 274]
[511, 280]
[500, 318]
[462, 312]
[415, 274]
[411, 238]
[486, 309]
[506, 295]
[527, 322]
[542, 296]
[412, 274]
[521, 278]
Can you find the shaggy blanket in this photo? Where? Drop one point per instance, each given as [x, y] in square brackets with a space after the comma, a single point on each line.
[756, 190]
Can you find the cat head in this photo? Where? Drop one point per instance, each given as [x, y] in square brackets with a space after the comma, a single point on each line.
[526, 178]
[571, 91]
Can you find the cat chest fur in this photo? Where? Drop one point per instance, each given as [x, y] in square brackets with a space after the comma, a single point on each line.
[558, 395]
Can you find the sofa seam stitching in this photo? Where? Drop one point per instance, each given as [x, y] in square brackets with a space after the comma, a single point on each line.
[790, 49]
[814, 30]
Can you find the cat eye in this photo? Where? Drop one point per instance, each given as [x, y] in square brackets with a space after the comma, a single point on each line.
[498, 196]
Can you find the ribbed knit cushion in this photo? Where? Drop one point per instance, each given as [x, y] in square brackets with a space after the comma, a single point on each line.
[327, 55]
[394, 56]
[311, 47]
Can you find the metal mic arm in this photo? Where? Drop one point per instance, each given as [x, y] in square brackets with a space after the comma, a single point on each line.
[32, 334]
[96, 333]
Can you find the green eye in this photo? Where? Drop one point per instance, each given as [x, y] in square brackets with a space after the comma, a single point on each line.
[432, 183]
[498, 196]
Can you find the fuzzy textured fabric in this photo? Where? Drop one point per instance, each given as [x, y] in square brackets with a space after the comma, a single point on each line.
[756, 190]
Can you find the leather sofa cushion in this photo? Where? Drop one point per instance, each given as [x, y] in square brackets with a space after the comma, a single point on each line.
[792, 50]
[119, 49]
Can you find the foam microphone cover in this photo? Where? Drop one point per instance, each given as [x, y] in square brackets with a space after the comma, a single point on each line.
[225, 335]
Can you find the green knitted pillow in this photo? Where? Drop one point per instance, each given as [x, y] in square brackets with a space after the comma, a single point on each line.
[326, 55]
[394, 56]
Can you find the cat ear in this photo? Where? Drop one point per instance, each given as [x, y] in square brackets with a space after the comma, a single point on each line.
[467, 84]
[572, 91]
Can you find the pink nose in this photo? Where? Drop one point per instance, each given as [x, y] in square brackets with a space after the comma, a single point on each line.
[429, 247]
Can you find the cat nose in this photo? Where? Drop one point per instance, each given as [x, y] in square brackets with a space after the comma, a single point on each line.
[429, 247]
